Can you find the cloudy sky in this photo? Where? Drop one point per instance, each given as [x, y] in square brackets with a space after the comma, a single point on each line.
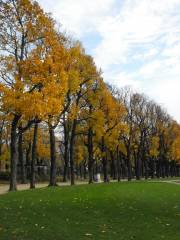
[135, 42]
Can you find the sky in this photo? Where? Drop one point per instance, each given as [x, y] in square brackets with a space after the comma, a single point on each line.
[134, 42]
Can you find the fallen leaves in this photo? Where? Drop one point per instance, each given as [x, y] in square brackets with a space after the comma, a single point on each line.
[88, 234]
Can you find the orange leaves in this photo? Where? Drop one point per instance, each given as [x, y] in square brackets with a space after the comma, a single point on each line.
[176, 149]
[97, 122]
[74, 112]
[39, 66]
[36, 75]
[175, 146]
[122, 148]
[43, 149]
[80, 152]
[73, 80]
[2, 89]
[154, 147]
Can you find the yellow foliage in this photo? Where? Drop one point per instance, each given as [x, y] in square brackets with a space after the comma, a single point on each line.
[176, 149]
[154, 146]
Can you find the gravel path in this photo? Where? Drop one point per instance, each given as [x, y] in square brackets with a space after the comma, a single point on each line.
[4, 188]
[173, 182]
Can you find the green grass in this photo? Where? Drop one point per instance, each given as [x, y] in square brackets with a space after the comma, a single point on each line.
[142, 211]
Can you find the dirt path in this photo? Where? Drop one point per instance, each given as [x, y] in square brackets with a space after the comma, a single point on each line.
[173, 182]
[4, 188]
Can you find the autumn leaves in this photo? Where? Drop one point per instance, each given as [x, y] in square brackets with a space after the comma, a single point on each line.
[48, 80]
[44, 76]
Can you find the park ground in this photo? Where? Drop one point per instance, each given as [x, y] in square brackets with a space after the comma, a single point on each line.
[121, 211]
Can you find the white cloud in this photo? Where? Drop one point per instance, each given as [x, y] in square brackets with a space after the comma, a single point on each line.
[148, 55]
[162, 83]
[173, 51]
[138, 22]
[78, 16]
[150, 68]
[138, 41]
[166, 92]
[122, 79]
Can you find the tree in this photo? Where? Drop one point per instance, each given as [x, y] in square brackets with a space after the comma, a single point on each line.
[29, 48]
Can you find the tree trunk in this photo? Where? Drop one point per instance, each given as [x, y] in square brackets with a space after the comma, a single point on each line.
[146, 168]
[71, 151]
[34, 146]
[21, 158]
[129, 165]
[13, 159]
[113, 166]
[28, 162]
[0, 154]
[104, 161]
[90, 155]
[66, 153]
[84, 169]
[72, 163]
[105, 169]
[1, 143]
[52, 181]
[80, 171]
[66, 160]
[77, 171]
[153, 167]
[138, 167]
[118, 155]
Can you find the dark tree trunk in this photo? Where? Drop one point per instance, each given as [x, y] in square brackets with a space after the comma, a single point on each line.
[13, 150]
[66, 153]
[34, 147]
[84, 167]
[72, 163]
[129, 167]
[139, 158]
[21, 158]
[90, 155]
[123, 167]
[158, 168]
[71, 151]
[153, 167]
[113, 166]
[104, 161]
[167, 168]
[28, 151]
[80, 171]
[105, 171]
[77, 171]
[66, 160]
[96, 168]
[146, 168]
[138, 167]
[52, 181]
[164, 167]
[119, 160]
[0, 153]
[1, 144]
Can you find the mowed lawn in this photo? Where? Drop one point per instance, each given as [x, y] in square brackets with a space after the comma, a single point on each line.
[142, 211]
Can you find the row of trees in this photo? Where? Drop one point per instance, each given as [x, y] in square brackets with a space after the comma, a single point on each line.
[56, 108]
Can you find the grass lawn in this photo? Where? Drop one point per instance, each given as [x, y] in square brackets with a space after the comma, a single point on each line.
[142, 211]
